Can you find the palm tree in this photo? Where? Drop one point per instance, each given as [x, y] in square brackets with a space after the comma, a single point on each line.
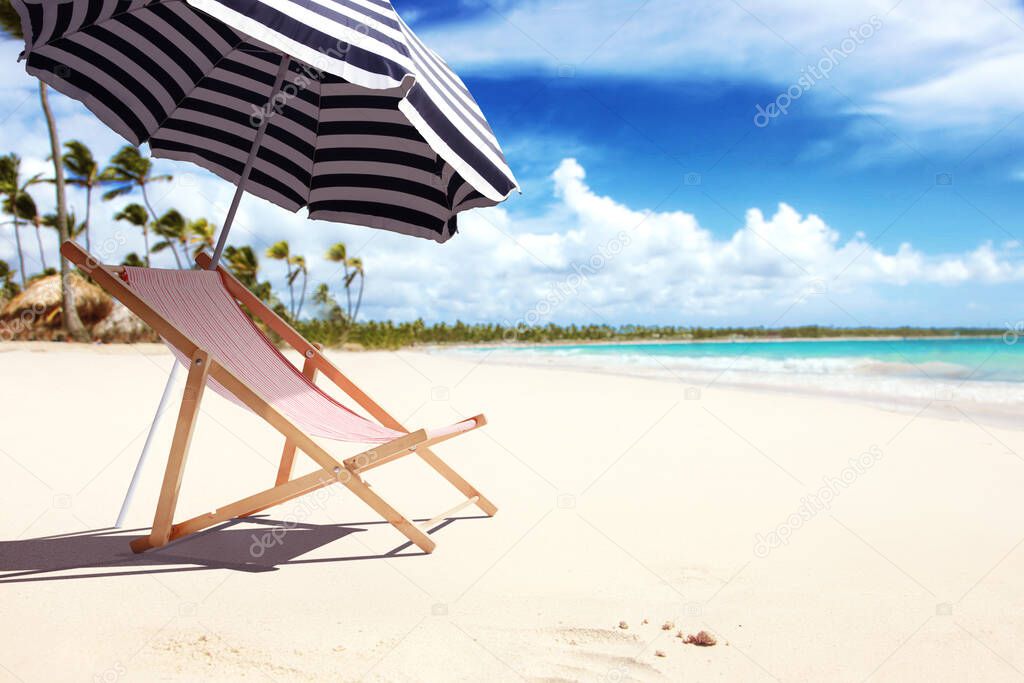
[242, 262]
[333, 313]
[245, 266]
[339, 254]
[300, 267]
[135, 214]
[10, 23]
[353, 268]
[10, 187]
[8, 288]
[129, 171]
[132, 259]
[282, 252]
[356, 264]
[201, 233]
[74, 228]
[25, 208]
[322, 296]
[84, 172]
[173, 227]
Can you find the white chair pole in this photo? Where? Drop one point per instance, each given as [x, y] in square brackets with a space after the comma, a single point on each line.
[221, 242]
[145, 448]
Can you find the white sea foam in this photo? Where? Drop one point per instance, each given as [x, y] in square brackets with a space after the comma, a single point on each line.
[893, 384]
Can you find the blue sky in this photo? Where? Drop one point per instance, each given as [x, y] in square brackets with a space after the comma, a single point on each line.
[857, 169]
[889, 192]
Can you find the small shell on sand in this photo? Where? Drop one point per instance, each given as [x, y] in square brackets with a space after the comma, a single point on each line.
[668, 626]
[644, 622]
[660, 653]
[703, 639]
[623, 625]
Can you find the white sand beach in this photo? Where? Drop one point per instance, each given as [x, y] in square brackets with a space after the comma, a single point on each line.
[816, 539]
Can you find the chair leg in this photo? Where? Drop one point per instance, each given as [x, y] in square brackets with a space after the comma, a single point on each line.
[442, 468]
[284, 472]
[250, 505]
[190, 403]
[381, 507]
[324, 459]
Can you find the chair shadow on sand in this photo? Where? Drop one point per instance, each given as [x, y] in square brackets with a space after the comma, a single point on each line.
[263, 545]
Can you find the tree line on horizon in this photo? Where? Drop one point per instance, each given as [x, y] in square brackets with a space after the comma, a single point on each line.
[390, 335]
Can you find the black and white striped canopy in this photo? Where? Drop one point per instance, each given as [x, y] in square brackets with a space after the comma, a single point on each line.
[371, 127]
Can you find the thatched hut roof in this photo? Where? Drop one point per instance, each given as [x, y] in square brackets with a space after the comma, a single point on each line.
[123, 326]
[36, 312]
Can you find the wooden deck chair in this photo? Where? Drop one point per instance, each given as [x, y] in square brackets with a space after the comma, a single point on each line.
[199, 315]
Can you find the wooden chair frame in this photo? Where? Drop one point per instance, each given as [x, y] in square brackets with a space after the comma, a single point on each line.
[347, 472]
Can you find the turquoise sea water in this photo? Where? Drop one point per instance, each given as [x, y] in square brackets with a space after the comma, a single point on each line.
[963, 371]
[973, 359]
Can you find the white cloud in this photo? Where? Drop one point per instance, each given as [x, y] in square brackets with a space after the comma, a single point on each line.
[972, 96]
[927, 67]
[612, 262]
[588, 256]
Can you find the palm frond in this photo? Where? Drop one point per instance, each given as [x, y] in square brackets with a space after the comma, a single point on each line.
[338, 253]
[279, 251]
[117, 192]
[135, 214]
[80, 163]
[134, 260]
[23, 206]
[10, 169]
[10, 22]
[74, 229]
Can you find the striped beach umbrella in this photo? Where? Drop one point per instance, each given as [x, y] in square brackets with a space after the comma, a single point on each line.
[332, 105]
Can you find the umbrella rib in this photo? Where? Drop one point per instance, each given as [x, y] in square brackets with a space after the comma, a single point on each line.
[177, 105]
[249, 163]
[316, 137]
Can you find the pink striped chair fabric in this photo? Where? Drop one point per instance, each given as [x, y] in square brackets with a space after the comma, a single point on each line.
[197, 303]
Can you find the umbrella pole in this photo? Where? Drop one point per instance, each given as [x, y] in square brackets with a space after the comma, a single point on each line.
[221, 242]
[247, 171]
[145, 448]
